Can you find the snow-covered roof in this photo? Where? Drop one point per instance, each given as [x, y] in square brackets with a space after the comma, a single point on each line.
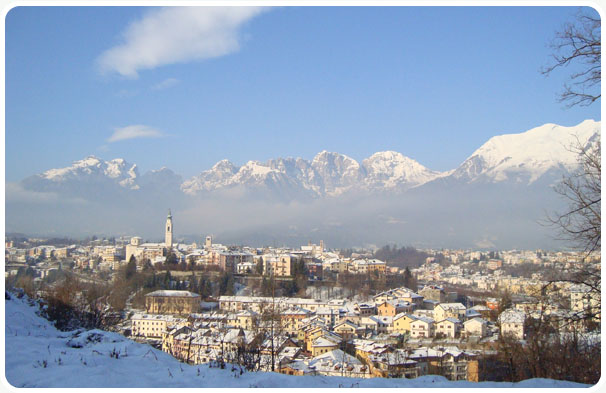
[512, 316]
[290, 352]
[474, 320]
[335, 361]
[451, 306]
[278, 341]
[323, 342]
[397, 303]
[365, 305]
[155, 317]
[424, 319]
[235, 335]
[348, 323]
[451, 320]
[172, 293]
[337, 356]
[397, 357]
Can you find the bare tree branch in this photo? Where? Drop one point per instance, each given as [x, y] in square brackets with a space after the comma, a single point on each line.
[580, 224]
[579, 43]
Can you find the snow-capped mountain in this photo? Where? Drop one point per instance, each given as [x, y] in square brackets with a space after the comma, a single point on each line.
[275, 175]
[94, 176]
[328, 174]
[92, 167]
[390, 169]
[519, 158]
[525, 157]
[338, 172]
[88, 177]
[220, 175]
[495, 196]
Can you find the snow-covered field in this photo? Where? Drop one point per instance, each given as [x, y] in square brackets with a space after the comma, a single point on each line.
[39, 356]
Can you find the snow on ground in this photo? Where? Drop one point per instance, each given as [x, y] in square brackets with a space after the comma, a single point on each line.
[39, 356]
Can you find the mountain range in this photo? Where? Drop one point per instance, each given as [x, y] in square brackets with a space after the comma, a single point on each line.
[526, 165]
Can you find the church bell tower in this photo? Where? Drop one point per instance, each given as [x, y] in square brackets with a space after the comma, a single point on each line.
[168, 238]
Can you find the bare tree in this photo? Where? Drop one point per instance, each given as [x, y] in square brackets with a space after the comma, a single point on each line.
[556, 344]
[548, 352]
[580, 223]
[579, 44]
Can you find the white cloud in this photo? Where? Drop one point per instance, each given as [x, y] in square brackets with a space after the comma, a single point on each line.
[166, 84]
[176, 35]
[134, 131]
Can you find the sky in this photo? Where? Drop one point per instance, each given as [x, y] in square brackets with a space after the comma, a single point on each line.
[185, 88]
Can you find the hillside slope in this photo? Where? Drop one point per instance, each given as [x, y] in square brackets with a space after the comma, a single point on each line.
[39, 356]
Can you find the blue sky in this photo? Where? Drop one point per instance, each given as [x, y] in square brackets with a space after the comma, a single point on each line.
[433, 83]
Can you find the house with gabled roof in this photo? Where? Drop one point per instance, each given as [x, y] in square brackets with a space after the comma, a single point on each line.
[402, 294]
[324, 344]
[512, 323]
[449, 310]
[332, 363]
[365, 348]
[279, 343]
[402, 321]
[395, 364]
[475, 327]
[348, 329]
[393, 307]
[293, 319]
[449, 327]
[365, 309]
[246, 319]
[377, 324]
[422, 327]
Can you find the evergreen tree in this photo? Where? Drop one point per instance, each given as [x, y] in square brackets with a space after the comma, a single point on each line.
[205, 287]
[259, 267]
[193, 284]
[409, 281]
[131, 268]
[167, 279]
[265, 287]
[147, 266]
[226, 284]
[171, 258]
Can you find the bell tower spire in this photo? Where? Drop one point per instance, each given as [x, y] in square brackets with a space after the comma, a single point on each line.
[168, 237]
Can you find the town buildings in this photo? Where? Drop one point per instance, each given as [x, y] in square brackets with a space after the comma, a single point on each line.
[172, 302]
[396, 332]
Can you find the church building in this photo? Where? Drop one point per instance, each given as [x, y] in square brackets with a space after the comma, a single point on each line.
[155, 252]
[168, 237]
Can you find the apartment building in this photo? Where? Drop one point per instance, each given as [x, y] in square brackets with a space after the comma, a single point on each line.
[172, 302]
